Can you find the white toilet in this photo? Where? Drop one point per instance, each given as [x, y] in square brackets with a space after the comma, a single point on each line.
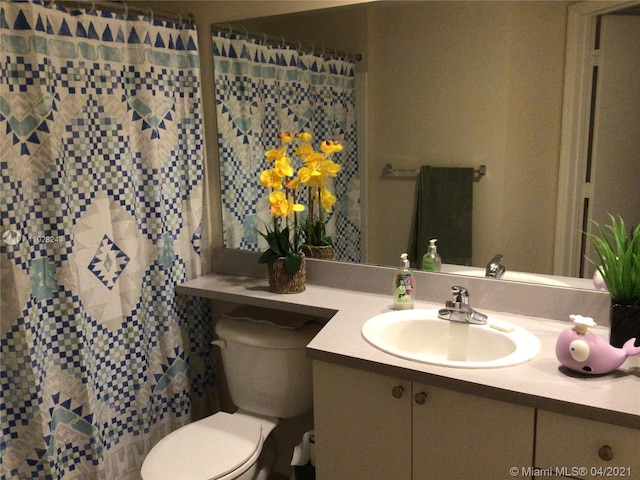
[269, 379]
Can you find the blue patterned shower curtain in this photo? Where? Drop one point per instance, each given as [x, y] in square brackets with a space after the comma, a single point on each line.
[102, 183]
[265, 89]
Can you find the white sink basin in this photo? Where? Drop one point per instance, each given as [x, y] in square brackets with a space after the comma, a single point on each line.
[421, 336]
[515, 277]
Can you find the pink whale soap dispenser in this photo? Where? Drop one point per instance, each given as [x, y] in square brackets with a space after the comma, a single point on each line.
[585, 352]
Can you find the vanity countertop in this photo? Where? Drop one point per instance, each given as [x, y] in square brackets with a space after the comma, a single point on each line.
[539, 383]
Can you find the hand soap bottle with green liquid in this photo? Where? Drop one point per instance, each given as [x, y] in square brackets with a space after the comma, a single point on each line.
[431, 261]
[403, 286]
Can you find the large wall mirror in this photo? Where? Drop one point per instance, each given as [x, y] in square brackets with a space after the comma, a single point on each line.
[465, 84]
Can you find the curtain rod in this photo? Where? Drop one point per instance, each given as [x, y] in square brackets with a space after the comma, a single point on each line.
[122, 7]
[273, 40]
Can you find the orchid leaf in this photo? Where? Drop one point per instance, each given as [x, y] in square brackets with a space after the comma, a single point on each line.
[292, 262]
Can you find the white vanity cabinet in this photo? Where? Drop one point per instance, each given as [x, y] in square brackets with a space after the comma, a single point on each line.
[374, 426]
[581, 448]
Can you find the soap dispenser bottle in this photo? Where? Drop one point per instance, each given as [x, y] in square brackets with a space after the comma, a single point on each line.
[431, 260]
[403, 286]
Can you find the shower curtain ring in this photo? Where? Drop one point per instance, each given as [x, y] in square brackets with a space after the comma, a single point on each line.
[230, 29]
[150, 14]
[264, 38]
[126, 10]
[179, 18]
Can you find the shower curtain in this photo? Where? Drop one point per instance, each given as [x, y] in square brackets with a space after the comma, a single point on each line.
[262, 90]
[102, 163]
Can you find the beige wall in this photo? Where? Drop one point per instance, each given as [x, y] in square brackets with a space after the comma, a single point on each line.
[450, 84]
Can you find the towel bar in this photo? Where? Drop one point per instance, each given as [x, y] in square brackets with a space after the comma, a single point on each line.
[389, 171]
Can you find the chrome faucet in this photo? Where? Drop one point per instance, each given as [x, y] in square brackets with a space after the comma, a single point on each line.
[494, 269]
[459, 309]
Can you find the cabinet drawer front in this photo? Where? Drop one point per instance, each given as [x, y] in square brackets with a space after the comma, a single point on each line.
[586, 448]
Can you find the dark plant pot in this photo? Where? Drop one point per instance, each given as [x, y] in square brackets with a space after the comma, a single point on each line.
[625, 324]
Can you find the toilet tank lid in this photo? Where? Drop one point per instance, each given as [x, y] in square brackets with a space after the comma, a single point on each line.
[265, 335]
[278, 318]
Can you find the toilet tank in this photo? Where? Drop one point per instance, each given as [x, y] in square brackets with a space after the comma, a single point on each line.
[265, 365]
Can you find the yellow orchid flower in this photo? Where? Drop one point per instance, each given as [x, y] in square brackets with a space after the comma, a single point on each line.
[331, 168]
[304, 174]
[282, 206]
[309, 175]
[278, 204]
[283, 167]
[313, 158]
[328, 199]
[303, 150]
[293, 183]
[331, 146]
[305, 137]
[270, 178]
[275, 153]
[286, 137]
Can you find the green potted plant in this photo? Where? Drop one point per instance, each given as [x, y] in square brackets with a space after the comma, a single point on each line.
[618, 251]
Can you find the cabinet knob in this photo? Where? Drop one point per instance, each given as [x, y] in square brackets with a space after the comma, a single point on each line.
[606, 453]
[397, 392]
[420, 398]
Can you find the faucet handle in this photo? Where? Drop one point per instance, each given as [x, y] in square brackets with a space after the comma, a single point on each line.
[460, 295]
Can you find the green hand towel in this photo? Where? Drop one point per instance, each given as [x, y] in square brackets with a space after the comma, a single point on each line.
[444, 211]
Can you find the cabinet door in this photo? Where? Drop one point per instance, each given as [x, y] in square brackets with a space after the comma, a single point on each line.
[456, 435]
[583, 448]
[362, 424]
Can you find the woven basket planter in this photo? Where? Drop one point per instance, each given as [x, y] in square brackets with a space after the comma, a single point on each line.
[281, 282]
[325, 252]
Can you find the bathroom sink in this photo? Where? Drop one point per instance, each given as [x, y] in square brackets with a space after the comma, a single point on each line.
[421, 336]
[514, 276]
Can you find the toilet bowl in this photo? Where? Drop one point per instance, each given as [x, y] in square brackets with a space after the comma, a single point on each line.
[269, 378]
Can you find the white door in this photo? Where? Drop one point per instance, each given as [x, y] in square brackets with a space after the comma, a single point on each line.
[615, 173]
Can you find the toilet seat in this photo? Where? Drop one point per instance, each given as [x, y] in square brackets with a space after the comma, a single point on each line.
[219, 447]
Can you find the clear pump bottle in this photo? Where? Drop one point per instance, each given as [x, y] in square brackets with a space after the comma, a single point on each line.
[403, 286]
[431, 261]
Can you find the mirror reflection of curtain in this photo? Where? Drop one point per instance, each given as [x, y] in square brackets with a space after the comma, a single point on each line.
[262, 90]
[102, 190]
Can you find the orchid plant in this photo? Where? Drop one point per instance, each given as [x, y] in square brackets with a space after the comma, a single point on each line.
[318, 168]
[284, 242]
[284, 236]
